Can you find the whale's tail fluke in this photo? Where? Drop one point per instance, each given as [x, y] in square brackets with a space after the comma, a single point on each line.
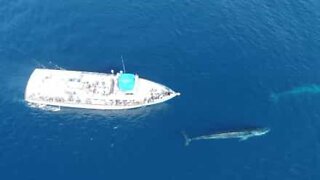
[187, 139]
[274, 97]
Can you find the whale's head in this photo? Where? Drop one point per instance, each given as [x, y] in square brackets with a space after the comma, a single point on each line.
[261, 131]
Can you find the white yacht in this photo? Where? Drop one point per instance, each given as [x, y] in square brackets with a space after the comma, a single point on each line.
[91, 90]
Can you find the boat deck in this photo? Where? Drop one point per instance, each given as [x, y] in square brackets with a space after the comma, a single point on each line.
[91, 90]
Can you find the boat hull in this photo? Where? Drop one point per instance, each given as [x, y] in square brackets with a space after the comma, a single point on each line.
[90, 106]
[89, 90]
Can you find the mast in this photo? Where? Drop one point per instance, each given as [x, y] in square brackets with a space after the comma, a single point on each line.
[123, 65]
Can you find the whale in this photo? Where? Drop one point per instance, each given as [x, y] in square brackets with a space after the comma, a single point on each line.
[307, 89]
[242, 135]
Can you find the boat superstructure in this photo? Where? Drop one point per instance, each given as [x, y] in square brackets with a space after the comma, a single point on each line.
[93, 90]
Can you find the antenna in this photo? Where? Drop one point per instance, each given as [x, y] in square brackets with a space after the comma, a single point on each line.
[123, 65]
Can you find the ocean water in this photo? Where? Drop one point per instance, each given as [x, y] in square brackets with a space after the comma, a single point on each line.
[225, 57]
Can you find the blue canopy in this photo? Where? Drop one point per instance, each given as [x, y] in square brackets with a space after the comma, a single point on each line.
[126, 82]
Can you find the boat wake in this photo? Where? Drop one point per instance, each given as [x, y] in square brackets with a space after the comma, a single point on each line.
[45, 107]
[50, 64]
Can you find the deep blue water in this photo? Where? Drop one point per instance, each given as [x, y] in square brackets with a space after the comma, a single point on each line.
[225, 57]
